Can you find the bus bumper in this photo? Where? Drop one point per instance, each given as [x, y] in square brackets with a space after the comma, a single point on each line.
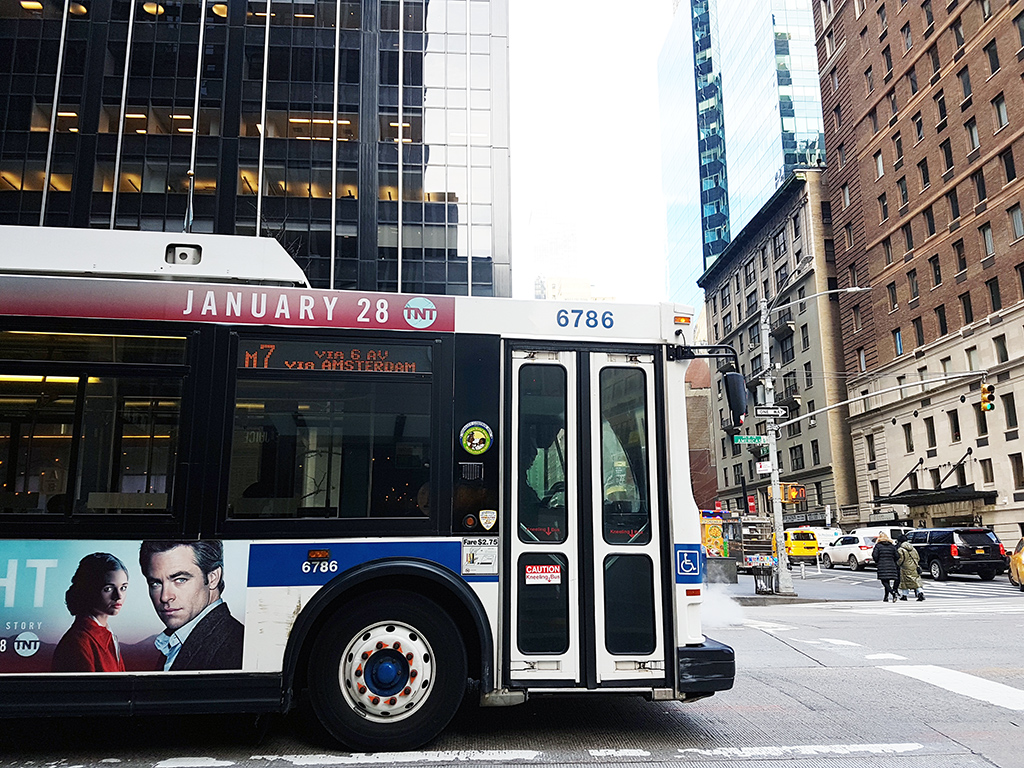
[705, 669]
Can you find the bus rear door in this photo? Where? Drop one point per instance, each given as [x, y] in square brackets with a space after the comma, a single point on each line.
[584, 575]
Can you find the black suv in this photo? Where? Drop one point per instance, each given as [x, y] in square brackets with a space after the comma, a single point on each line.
[959, 550]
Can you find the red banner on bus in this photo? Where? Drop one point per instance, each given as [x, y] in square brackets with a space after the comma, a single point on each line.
[252, 305]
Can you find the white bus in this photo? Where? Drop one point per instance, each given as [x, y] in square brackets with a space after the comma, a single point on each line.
[222, 496]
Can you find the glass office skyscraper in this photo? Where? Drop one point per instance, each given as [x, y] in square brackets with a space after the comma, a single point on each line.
[286, 119]
[770, 98]
[755, 105]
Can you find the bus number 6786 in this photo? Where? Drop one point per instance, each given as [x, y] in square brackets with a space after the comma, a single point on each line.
[588, 318]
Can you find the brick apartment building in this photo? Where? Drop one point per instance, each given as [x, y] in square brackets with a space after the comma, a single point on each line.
[924, 115]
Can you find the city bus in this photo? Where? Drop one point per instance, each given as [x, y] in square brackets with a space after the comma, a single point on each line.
[223, 491]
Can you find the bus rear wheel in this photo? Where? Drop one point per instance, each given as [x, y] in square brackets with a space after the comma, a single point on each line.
[387, 671]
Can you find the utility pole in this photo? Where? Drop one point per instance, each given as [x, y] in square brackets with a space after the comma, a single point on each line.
[768, 377]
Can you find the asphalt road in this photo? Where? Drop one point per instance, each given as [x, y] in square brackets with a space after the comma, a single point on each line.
[834, 682]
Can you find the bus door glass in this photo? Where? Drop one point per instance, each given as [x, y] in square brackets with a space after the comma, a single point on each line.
[586, 603]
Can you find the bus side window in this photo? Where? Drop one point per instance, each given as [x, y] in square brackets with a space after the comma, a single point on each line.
[330, 449]
[72, 442]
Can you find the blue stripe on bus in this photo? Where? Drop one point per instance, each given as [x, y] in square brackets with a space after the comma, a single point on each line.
[281, 565]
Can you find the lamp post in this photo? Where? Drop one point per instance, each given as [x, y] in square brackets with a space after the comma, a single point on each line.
[768, 377]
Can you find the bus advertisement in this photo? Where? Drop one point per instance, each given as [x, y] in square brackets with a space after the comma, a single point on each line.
[226, 494]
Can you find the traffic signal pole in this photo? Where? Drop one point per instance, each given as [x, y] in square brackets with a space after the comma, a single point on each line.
[785, 577]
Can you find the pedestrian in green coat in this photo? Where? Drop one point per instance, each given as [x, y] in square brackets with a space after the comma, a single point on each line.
[910, 577]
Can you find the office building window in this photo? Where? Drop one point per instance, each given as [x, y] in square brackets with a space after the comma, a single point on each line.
[940, 319]
[846, 195]
[1002, 353]
[933, 55]
[980, 420]
[922, 170]
[887, 58]
[1009, 169]
[1017, 463]
[897, 342]
[879, 165]
[961, 256]
[965, 306]
[993, 57]
[862, 359]
[999, 108]
[933, 262]
[954, 425]
[995, 300]
[887, 250]
[915, 289]
[908, 437]
[883, 207]
[858, 323]
[987, 240]
[1009, 410]
[971, 353]
[891, 290]
[869, 444]
[929, 221]
[1016, 222]
[918, 331]
[980, 189]
[965, 82]
[940, 105]
[947, 154]
[869, 80]
[929, 431]
[908, 237]
[901, 185]
[958, 33]
[954, 204]
[805, 338]
[908, 41]
[987, 475]
[973, 140]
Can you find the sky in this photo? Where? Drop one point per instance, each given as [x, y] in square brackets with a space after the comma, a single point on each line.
[585, 145]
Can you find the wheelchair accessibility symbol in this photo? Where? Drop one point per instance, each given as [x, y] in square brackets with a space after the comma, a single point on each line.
[687, 563]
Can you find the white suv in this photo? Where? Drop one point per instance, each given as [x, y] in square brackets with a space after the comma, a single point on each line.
[852, 550]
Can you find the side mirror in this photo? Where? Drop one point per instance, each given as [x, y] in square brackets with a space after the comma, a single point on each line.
[736, 397]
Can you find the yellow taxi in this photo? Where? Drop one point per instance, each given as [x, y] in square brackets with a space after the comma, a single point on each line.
[801, 546]
[1017, 565]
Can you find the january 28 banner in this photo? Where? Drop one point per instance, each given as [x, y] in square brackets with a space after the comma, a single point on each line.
[122, 606]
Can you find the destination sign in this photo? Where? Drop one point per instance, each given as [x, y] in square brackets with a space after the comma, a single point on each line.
[281, 355]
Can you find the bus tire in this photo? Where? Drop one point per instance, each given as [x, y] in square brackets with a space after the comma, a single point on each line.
[387, 671]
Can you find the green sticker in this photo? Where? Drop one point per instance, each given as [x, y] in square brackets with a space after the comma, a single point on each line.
[476, 438]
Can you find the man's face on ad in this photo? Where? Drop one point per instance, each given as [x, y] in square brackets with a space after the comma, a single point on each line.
[177, 587]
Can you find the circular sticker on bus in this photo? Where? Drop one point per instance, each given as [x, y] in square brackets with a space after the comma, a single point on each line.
[476, 438]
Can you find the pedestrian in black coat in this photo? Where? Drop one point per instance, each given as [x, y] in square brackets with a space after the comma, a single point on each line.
[886, 561]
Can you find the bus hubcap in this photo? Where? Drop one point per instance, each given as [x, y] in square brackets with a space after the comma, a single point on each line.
[387, 671]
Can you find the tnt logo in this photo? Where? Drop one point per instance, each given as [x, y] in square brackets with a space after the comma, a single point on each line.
[26, 644]
[420, 312]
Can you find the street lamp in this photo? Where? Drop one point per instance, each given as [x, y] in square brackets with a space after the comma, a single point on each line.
[785, 578]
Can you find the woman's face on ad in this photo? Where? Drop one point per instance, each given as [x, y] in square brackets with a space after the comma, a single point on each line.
[111, 598]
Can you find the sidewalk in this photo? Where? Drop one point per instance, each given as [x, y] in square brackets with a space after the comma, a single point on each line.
[816, 588]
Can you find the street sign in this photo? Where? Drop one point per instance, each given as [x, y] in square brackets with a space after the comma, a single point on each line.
[764, 467]
[750, 440]
[769, 411]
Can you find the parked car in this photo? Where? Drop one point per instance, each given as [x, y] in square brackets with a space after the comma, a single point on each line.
[968, 549]
[1017, 565]
[893, 531]
[852, 549]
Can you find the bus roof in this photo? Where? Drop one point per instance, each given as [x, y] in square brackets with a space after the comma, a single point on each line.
[147, 256]
[253, 281]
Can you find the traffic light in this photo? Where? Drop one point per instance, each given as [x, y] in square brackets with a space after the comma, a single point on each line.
[736, 397]
[793, 493]
[988, 397]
